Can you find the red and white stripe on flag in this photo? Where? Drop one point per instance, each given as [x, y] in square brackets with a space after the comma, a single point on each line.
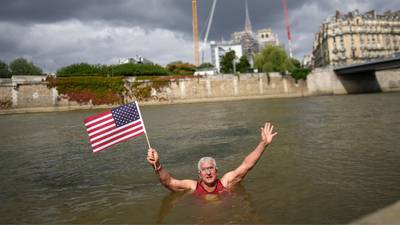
[114, 126]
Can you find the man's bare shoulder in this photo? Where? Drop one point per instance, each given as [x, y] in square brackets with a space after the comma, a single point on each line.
[184, 185]
[232, 177]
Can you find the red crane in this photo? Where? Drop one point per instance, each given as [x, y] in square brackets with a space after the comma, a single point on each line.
[287, 24]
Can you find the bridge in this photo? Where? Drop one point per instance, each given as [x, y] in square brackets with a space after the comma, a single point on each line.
[376, 76]
[370, 67]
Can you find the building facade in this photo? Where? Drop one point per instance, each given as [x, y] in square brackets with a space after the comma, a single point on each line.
[135, 60]
[218, 50]
[308, 61]
[356, 38]
[266, 37]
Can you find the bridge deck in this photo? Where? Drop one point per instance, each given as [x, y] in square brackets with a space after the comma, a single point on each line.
[384, 64]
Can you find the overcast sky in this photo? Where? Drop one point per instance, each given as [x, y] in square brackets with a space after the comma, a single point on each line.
[56, 33]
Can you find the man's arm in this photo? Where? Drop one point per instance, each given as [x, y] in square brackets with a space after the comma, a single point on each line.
[165, 178]
[235, 176]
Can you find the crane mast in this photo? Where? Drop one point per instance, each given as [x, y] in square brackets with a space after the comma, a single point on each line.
[195, 33]
[208, 30]
[287, 24]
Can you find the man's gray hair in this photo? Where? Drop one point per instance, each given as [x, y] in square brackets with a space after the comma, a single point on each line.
[206, 159]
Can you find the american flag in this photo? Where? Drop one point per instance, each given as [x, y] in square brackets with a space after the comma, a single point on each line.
[114, 126]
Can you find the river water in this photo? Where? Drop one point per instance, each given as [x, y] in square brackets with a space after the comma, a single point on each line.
[335, 159]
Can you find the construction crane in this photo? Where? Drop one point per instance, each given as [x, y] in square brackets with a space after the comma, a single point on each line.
[284, 5]
[211, 16]
[195, 33]
[197, 50]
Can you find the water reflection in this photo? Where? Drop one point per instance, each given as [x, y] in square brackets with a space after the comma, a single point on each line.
[168, 203]
[232, 207]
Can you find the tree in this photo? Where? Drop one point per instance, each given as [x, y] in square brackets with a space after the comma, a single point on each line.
[227, 62]
[300, 73]
[205, 65]
[243, 66]
[181, 68]
[4, 71]
[273, 59]
[21, 66]
[78, 69]
[296, 63]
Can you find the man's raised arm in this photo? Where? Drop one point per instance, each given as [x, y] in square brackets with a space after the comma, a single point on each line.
[165, 178]
[235, 176]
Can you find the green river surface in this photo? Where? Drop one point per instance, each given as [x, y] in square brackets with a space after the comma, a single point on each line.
[335, 159]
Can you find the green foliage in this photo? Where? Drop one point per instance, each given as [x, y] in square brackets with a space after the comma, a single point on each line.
[300, 73]
[205, 65]
[99, 90]
[296, 63]
[243, 66]
[273, 59]
[84, 69]
[4, 71]
[227, 62]
[21, 66]
[181, 68]
[128, 69]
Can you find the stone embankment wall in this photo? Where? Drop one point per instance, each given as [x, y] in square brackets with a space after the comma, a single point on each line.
[226, 87]
[27, 91]
[32, 91]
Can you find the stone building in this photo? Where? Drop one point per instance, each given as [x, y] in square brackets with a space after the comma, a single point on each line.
[307, 61]
[266, 37]
[246, 38]
[356, 38]
[244, 42]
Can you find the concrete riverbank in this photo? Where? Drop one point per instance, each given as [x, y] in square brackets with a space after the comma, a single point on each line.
[387, 215]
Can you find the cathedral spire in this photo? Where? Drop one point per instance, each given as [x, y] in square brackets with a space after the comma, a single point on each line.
[247, 25]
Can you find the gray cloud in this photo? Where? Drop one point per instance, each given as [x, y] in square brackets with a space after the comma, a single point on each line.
[58, 33]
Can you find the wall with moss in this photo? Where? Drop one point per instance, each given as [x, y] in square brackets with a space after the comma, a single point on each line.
[83, 91]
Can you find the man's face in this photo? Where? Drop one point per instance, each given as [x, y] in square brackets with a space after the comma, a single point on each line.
[208, 173]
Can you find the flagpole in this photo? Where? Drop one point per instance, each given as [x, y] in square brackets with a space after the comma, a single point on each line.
[147, 138]
[145, 131]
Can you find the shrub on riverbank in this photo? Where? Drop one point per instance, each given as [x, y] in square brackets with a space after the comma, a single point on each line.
[181, 68]
[300, 73]
[131, 69]
[128, 69]
[86, 89]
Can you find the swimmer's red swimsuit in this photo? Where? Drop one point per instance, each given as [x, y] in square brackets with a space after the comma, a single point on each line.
[201, 191]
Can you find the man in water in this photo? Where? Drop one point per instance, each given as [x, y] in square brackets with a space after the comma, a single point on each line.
[208, 171]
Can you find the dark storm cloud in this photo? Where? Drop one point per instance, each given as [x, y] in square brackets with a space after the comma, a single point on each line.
[169, 14]
[147, 13]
